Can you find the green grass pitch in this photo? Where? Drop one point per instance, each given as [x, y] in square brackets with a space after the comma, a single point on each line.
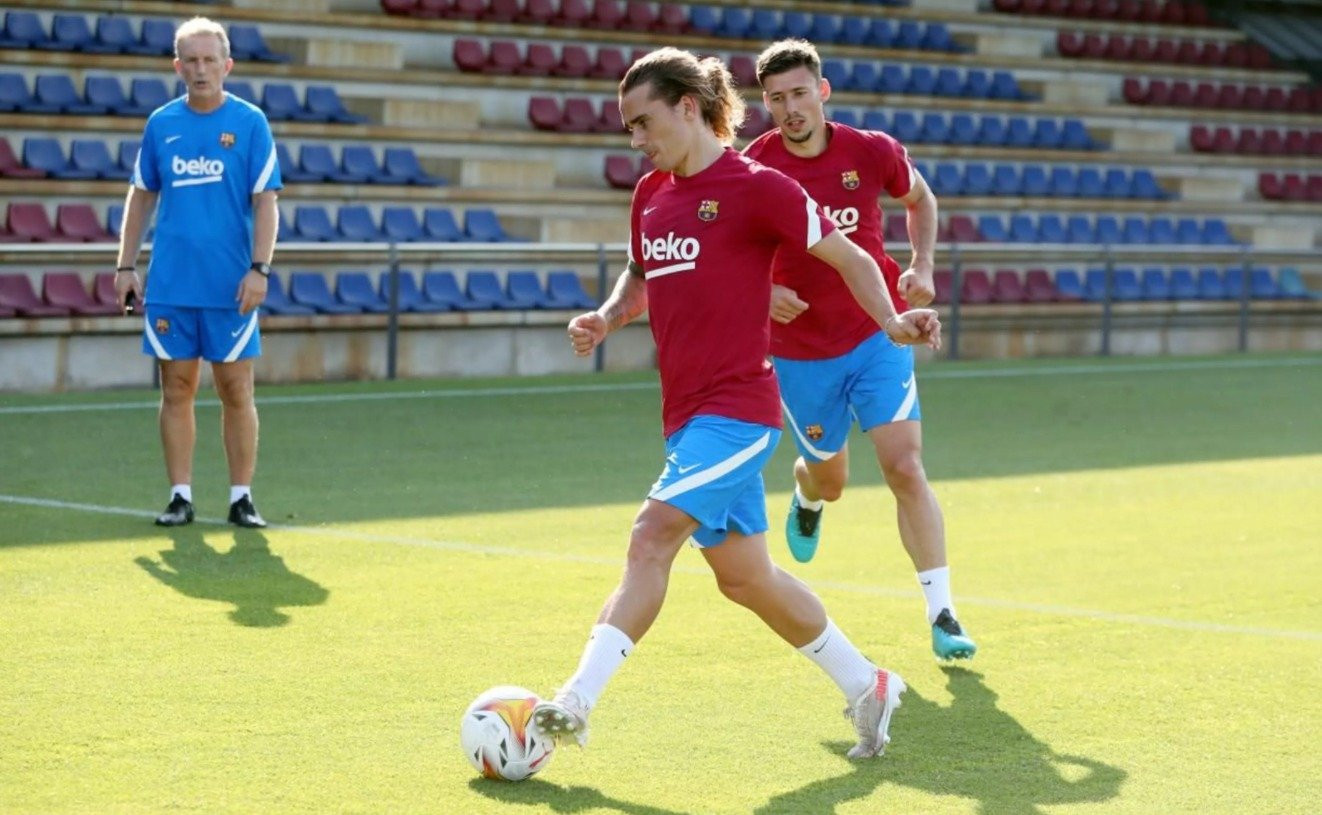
[1134, 544]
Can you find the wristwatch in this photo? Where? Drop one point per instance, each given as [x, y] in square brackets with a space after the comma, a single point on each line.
[263, 269]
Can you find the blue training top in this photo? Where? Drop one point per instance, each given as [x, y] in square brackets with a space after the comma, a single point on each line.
[206, 168]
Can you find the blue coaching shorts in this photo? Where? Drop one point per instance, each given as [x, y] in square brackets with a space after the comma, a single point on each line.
[214, 334]
[714, 473]
[873, 383]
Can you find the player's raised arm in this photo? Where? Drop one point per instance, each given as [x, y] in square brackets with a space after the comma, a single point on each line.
[626, 302]
[863, 276]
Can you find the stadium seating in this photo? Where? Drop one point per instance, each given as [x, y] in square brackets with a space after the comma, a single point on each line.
[442, 287]
[12, 167]
[410, 296]
[67, 290]
[18, 295]
[247, 43]
[310, 289]
[482, 225]
[103, 292]
[565, 290]
[278, 302]
[355, 289]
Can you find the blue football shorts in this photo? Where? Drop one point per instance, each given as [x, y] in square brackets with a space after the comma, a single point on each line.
[714, 473]
[213, 334]
[872, 384]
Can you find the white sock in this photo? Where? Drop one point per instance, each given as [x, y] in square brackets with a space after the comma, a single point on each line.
[936, 588]
[845, 664]
[602, 656]
[813, 506]
[185, 490]
[238, 491]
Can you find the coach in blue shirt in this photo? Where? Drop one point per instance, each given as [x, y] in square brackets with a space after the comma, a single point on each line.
[208, 168]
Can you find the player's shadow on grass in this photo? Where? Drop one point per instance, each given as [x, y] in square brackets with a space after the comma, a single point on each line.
[971, 749]
[536, 792]
[248, 576]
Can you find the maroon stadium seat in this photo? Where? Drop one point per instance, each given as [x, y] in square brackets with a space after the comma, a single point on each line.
[1205, 96]
[78, 222]
[1159, 92]
[502, 11]
[1275, 99]
[1007, 287]
[1164, 50]
[545, 113]
[1236, 55]
[744, 70]
[16, 293]
[29, 222]
[1188, 52]
[66, 289]
[1033, 7]
[671, 18]
[1195, 14]
[1069, 43]
[941, 280]
[975, 288]
[1299, 100]
[433, 8]
[1181, 94]
[1038, 287]
[1080, 9]
[12, 167]
[897, 229]
[1259, 57]
[403, 8]
[470, 55]
[579, 115]
[756, 122]
[621, 172]
[1057, 8]
[1254, 98]
[1173, 12]
[639, 15]
[1273, 143]
[1134, 91]
[1229, 97]
[540, 60]
[1200, 139]
[963, 229]
[1105, 9]
[574, 61]
[1094, 46]
[606, 14]
[610, 63]
[1223, 140]
[1296, 143]
[573, 13]
[1270, 187]
[467, 9]
[1294, 187]
[504, 58]
[1248, 141]
[1211, 53]
[608, 120]
[1127, 10]
[1150, 11]
[1007, 6]
[1313, 188]
[539, 12]
[1117, 47]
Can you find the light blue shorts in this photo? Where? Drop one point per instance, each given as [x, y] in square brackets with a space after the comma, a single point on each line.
[714, 473]
[213, 334]
[872, 384]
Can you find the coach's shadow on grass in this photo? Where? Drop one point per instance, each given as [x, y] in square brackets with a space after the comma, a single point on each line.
[536, 792]
[971, 749]
[248, 576]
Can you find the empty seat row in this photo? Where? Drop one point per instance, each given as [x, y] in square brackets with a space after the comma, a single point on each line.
[662, 18]
[623, 171]
[1252, 141]
[482, 290]
[111, 34]
[28, 222]
[1105, 229]
[63, 294]
[88, 159]
[575, 115]
[1290, 187]
[509, 58]
[975, 178]
[1173, 12]
[355, 222]
[357, 164]
[1182, 52]
[741, 22]
[871, 76]
[965, 129]
[1227, 96]
[1126, 284]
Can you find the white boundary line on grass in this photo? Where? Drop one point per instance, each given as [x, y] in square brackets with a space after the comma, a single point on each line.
[853, 588]
[551, 390]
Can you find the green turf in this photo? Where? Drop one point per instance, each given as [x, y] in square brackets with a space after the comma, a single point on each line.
[1134, 549]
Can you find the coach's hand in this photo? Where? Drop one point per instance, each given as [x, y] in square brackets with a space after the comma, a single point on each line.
[917, 326]
[916, 286]
[125, 282]
[785, 304]
[586, 331]
[252, 291]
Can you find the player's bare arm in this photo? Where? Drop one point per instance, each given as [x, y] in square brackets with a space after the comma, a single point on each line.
[785, 304]
[266, 222]
[627, 301]
[863, 276]
[916, 284]
[138, 206]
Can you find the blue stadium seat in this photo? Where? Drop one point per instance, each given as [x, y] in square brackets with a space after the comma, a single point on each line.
[936, 37]
[400, 224]
[285, 232]
[853, 30]
[1033, 180]
[236, 87]
[114, 219]
[863, 77]
[1068, 285]
[156, 37]
[410, 296]
[1154, 284]
[1050, 229]
[876, 120]
[1018, 132]
[310, 289]
[114, 35]
[880, 33]
[1161, 231]
[313, 223]
[1115, 184]
[483, 287]
[992, 229]
[1079, 230]
[735, 22]
[278, 302]
[922, 81]
[1293, 288]
[892, 79]
[1023, 229]
[94, 155]
[70, 32]
[355, 289]
[438, 224]
[1106, 230]
[1232, 280]
[1046, 134]
[1262, 286]
[1125, 286]
[1183, 286]
[442, 287]
[846, 116]
[1074, 136]
[565, 290]
[290, 172]
[948, 82]
[1187, 231]
[127, 154]
[1003, 86]
[483, 226]
[524, 290]
[908, 35]
[1211, 286]
[358, 159]
[318, 160]
[796, 24]
[905, 127]
[1094, 285]
[977, 179]
[44, 153]
[322, 101]
[1063, 182]
[1144, 185]
[247, 43]
[947, 179]
[991, 131]
[23, 29]
[934, 129]
[1135, 231]
[148, 94]
[57, 90]
[704, 20]
[763, 25]
[1090, 183]
[836, 72]
[1216, 233]
[962, 130]
[354, 223]
[826, 28]
[105, 91]
[400, 166]
[977, 84]
[280, 101]
[1005, 180]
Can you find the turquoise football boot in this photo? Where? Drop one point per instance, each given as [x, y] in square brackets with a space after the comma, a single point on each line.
[803, 529]
[949, 640]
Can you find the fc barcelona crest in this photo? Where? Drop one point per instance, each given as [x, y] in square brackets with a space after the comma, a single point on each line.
[162, 325]
[813, 431]
[708, 210]
[849, 178]
[226, 140]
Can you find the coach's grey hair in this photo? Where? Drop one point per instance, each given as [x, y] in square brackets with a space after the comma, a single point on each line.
[202, 25]
[674, 74]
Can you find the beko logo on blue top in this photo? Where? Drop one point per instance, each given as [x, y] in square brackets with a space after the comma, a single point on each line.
[200, 170]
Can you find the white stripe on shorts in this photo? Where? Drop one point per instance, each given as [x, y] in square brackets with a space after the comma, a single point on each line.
[821, 455]
[243, 338]
[714, 472]
[906, 407]
[151, 338]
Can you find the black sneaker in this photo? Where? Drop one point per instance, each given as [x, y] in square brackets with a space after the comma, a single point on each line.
[178, 513]
[243, 513]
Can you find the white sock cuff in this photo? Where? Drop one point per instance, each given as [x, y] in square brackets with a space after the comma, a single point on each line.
[815, 506]
[611, 637]
[185, 490]
[238, 491]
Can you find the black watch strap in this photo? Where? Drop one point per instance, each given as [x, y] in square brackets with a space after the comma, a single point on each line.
[263, 269]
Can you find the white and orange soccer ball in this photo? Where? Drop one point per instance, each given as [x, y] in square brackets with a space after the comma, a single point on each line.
[498, 737]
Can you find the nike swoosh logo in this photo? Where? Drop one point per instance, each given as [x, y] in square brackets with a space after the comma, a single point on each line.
[236, 332]
[169, 139]
[819, 648]
[908, 383]
[682, 470]
[649, 209]
[925, 582]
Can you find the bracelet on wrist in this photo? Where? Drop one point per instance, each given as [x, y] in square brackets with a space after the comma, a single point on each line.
[126, 269]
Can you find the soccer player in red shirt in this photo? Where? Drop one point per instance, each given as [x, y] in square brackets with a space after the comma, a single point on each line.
[704, 228]
[833, 361]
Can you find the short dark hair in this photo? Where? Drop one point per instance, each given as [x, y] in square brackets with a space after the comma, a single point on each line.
[787, 55]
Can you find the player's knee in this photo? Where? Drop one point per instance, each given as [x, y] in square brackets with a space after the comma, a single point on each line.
[742, 588]
[178, 390]
[905, 473]
[831, 490]
[234, 395]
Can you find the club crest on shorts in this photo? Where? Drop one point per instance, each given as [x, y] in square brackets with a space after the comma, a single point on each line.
[709, 209]
[813, 431]
[226, 140]
[849, 178]
[162, 325]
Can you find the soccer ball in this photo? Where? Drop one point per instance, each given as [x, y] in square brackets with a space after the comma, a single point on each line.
[498, 737]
